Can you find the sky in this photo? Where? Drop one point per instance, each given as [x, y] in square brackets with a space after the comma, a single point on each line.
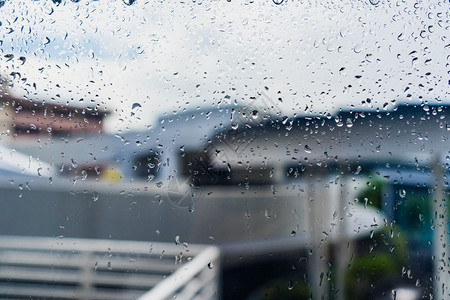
[309, 57]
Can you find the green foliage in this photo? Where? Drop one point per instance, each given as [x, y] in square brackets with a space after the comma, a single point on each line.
[283, 289]
[373, 193]
[368, 270]
[380, 262]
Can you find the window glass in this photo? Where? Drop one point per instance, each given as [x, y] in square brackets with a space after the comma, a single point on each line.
[270, 149]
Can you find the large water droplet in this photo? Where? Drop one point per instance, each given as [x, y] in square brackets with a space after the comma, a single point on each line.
[290, 285]
[307, 149]
[349, 122]
[357, 48]
[95, 196]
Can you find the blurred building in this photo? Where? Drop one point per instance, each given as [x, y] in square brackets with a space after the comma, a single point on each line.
[175, 146]
[280, 149]
[238, 145]
[24, 120]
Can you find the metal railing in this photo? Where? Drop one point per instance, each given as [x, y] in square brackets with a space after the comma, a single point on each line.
[198, 279]
[66, 268]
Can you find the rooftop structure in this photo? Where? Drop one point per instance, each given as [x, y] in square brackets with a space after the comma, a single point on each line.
[23, 119]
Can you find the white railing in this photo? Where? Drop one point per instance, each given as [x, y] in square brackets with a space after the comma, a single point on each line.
[197, 279]
[103, 269]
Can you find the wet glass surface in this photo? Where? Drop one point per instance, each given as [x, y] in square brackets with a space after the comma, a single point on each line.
[256, 149]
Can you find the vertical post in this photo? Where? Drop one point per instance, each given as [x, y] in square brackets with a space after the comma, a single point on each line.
[440, 265]
[342, 243]
[317, 264]
[87, 272]
[388, 201]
